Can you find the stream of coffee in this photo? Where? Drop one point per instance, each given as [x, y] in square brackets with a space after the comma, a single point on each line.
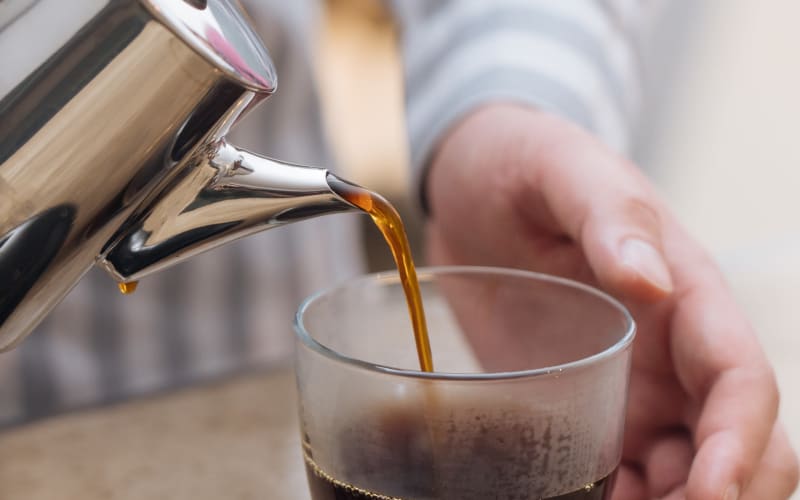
[388, 221]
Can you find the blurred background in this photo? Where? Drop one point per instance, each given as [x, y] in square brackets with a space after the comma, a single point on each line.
[720, 139]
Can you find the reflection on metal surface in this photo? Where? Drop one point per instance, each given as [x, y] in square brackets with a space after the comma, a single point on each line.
[112, 147]
[226, 194]
[26, 252]
[219, 33]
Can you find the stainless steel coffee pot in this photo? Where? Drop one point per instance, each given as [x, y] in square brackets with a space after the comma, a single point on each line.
[113, 117]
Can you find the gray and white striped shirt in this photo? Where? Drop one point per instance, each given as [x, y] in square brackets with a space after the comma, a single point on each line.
[230, 310]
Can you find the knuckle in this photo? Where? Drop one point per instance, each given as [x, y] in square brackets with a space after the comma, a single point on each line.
[760, 377]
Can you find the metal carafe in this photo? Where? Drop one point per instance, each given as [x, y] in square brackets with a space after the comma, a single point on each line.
[113, 117]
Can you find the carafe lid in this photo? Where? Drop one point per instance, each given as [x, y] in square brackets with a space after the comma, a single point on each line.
[218, 31]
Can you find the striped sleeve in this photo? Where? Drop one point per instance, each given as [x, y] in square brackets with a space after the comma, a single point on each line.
[573, 58]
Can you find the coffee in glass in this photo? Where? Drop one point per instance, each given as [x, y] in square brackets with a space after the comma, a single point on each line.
[527, 400]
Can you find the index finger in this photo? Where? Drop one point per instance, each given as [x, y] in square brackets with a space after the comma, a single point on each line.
[722, 367]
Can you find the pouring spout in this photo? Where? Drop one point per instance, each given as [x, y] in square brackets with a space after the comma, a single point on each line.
[225, 194]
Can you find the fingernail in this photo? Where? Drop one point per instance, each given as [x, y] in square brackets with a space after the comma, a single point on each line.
[647, 261]
[732, 493]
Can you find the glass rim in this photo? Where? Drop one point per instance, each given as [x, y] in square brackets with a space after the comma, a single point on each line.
[620, 345]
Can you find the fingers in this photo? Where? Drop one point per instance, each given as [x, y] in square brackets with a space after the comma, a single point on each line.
[666, 468]
[730, 443]
[721, 366]
[629, 484]
[667, 464]
[678, 493]
[777, 474]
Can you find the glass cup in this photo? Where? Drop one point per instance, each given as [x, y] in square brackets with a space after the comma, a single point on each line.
[527, 399]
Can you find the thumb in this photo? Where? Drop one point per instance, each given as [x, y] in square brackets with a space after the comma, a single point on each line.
[605, 204]
[622, 244]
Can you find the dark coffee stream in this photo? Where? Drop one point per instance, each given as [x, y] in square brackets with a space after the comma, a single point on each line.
[391, 226]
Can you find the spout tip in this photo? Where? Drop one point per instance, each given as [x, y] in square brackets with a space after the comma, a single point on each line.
[348, 192]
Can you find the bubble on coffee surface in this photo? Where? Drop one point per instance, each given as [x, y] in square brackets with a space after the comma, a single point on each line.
[324, 486]
[468, 452]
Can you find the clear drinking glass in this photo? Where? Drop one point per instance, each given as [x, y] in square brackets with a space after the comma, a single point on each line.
[527, 399]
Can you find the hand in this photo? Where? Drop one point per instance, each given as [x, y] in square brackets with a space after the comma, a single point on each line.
[511, 186]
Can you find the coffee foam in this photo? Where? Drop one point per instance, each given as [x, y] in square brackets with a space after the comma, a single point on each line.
[470, 450]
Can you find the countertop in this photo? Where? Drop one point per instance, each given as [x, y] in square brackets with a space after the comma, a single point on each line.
[235, 439]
